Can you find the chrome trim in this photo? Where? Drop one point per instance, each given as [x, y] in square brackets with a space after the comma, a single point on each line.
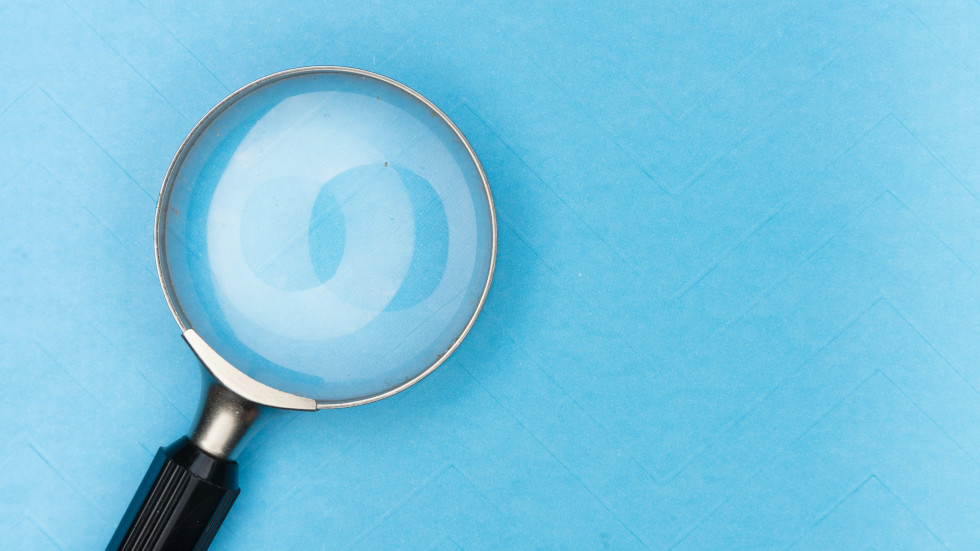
[240, 381]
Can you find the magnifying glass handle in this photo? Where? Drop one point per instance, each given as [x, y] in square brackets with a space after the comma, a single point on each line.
[192, 483]
[181, 502]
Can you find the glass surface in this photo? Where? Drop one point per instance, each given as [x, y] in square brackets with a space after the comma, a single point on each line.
[329, 235]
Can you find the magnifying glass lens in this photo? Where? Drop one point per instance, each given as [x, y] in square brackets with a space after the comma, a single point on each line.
[328, 234]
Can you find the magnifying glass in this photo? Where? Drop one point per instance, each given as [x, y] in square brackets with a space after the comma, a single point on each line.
[325, 238]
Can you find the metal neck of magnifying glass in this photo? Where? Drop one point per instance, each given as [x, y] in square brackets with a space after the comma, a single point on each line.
[223, 420]
[231, 401]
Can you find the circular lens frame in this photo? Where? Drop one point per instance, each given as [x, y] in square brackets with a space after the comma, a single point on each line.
[161, 220]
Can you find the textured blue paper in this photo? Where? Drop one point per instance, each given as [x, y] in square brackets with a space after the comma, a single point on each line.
[737, 303]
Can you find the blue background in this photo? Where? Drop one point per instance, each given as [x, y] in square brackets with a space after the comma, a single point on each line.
[737, 303]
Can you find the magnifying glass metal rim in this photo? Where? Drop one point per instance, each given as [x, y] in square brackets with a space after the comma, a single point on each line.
[233, 378]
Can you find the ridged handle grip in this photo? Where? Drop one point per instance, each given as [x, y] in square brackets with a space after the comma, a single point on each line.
[181, 502]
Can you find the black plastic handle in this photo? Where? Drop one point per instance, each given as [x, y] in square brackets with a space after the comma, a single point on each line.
[181, 502]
